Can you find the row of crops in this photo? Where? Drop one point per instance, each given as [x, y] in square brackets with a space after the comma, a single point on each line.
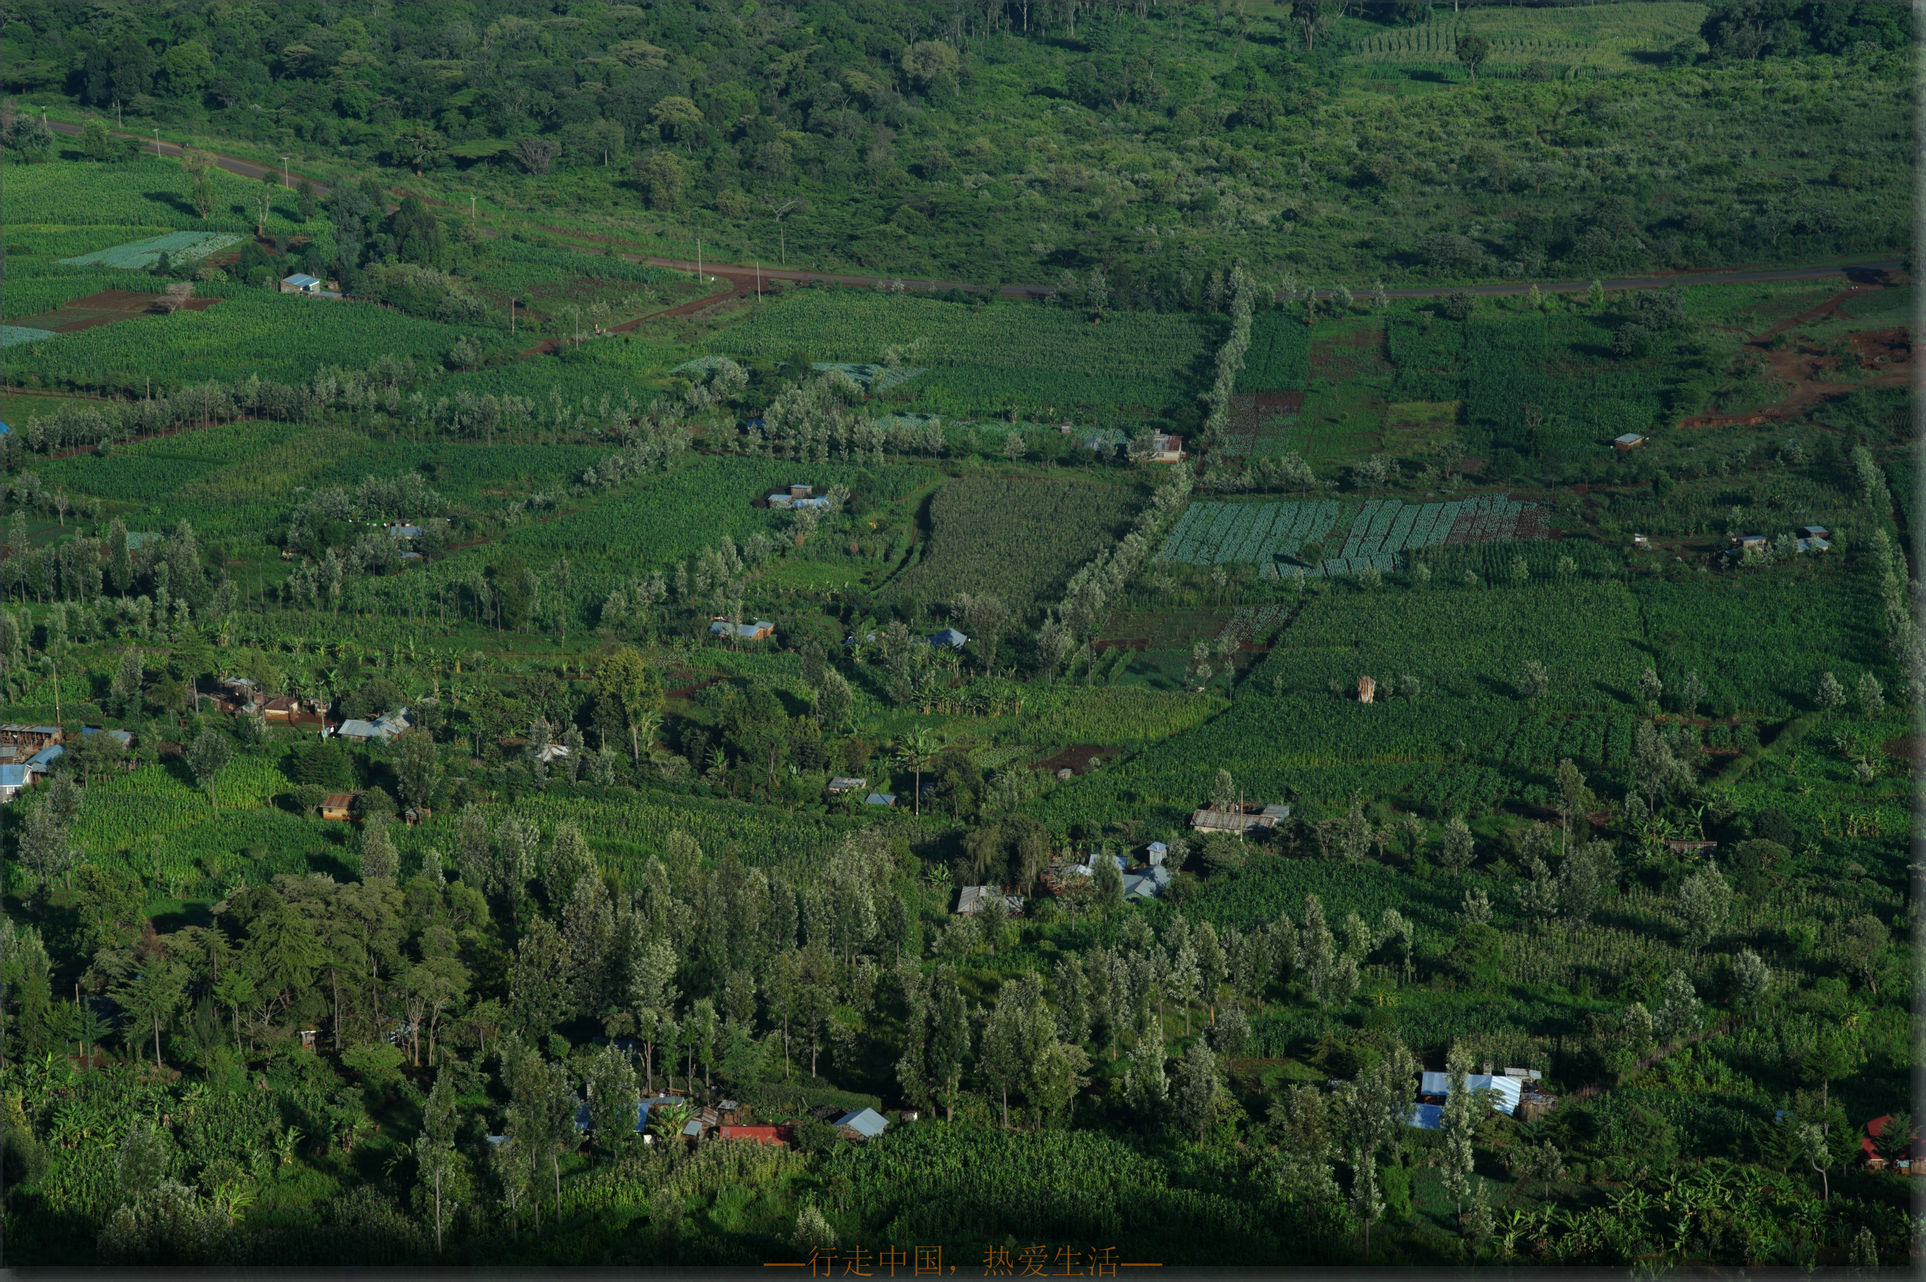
[1377, 533]
[1279, 357]
[1248, 533]
[179, 246]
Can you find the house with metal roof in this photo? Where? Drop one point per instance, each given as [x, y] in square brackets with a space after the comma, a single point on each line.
[842, 784]
[1426, 1117]
[383, 729]
[880, 799]
[760, 630]
[40, 762]
[125, 738]
[1814, 532]
[971, 900]
[1146, 883]
[863, 1124]
[299, 283]
[12, 779]
[1814, 543]
[1505, 1091]
[948, 639]
[1239, 819]
[1629, 441]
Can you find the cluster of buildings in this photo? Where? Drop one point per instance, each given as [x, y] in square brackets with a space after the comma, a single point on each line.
[725, 1120]
[1516, 1092]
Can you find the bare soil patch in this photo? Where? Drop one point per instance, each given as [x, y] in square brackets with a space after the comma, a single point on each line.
[1077, 758]
[106, 308]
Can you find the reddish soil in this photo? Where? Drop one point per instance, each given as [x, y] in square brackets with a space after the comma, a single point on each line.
[1279, 402]
[1885, 360]
[1076, 758]
[1349, 355]
[1138, 644]
[105, 308]
[739, 285]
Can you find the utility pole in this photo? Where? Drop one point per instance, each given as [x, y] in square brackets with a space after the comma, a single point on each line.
[471, 206]
[699, 258]
[286, 182]
[157, 142]
[759, 280]
[511, 316]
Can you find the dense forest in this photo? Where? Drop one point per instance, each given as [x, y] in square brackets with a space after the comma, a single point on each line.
[516, 753]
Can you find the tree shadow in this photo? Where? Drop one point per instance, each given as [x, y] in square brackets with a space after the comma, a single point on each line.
[178, 203]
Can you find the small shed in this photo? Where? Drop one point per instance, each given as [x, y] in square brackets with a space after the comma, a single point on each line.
[1814, 532]
[1629, 441]
[1157, 853]
[1641, 542]
[336, 805]
[1743, 541]
[863, 1124]
[300, 283]
[843, 784]
[948, 639]
[1165, 448]
[1814, 543]
[405, 531]
[880, 799]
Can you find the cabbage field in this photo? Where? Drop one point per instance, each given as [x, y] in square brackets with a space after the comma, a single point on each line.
[1374, 533]
[179, 246]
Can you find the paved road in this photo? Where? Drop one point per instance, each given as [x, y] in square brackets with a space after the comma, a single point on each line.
[1859, 272]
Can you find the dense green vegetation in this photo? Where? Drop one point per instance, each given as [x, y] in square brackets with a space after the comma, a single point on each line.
[519, 483]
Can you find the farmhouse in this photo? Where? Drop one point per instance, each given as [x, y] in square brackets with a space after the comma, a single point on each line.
[299, 283]
[863, 1124]
[1744, 541]
[336, 805]
[1814, 543]
[844, 784]
[1146, 883]
[125, 738]
[799, 496]
[947, 639]
[760, 630]
[1239, 819]
[1629, 441]
[880, 799]
[40, 762]
[384, 729]
[1869, 1149]
[13, 777]
[973, 899]
[1814, 532]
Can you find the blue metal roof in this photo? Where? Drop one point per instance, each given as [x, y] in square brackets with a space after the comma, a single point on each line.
[866, 1122]
[47, 756]
[1426, 1117]
[300, 280]
[12, 776]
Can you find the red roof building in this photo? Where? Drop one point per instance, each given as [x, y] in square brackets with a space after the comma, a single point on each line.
[1869, 1147]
